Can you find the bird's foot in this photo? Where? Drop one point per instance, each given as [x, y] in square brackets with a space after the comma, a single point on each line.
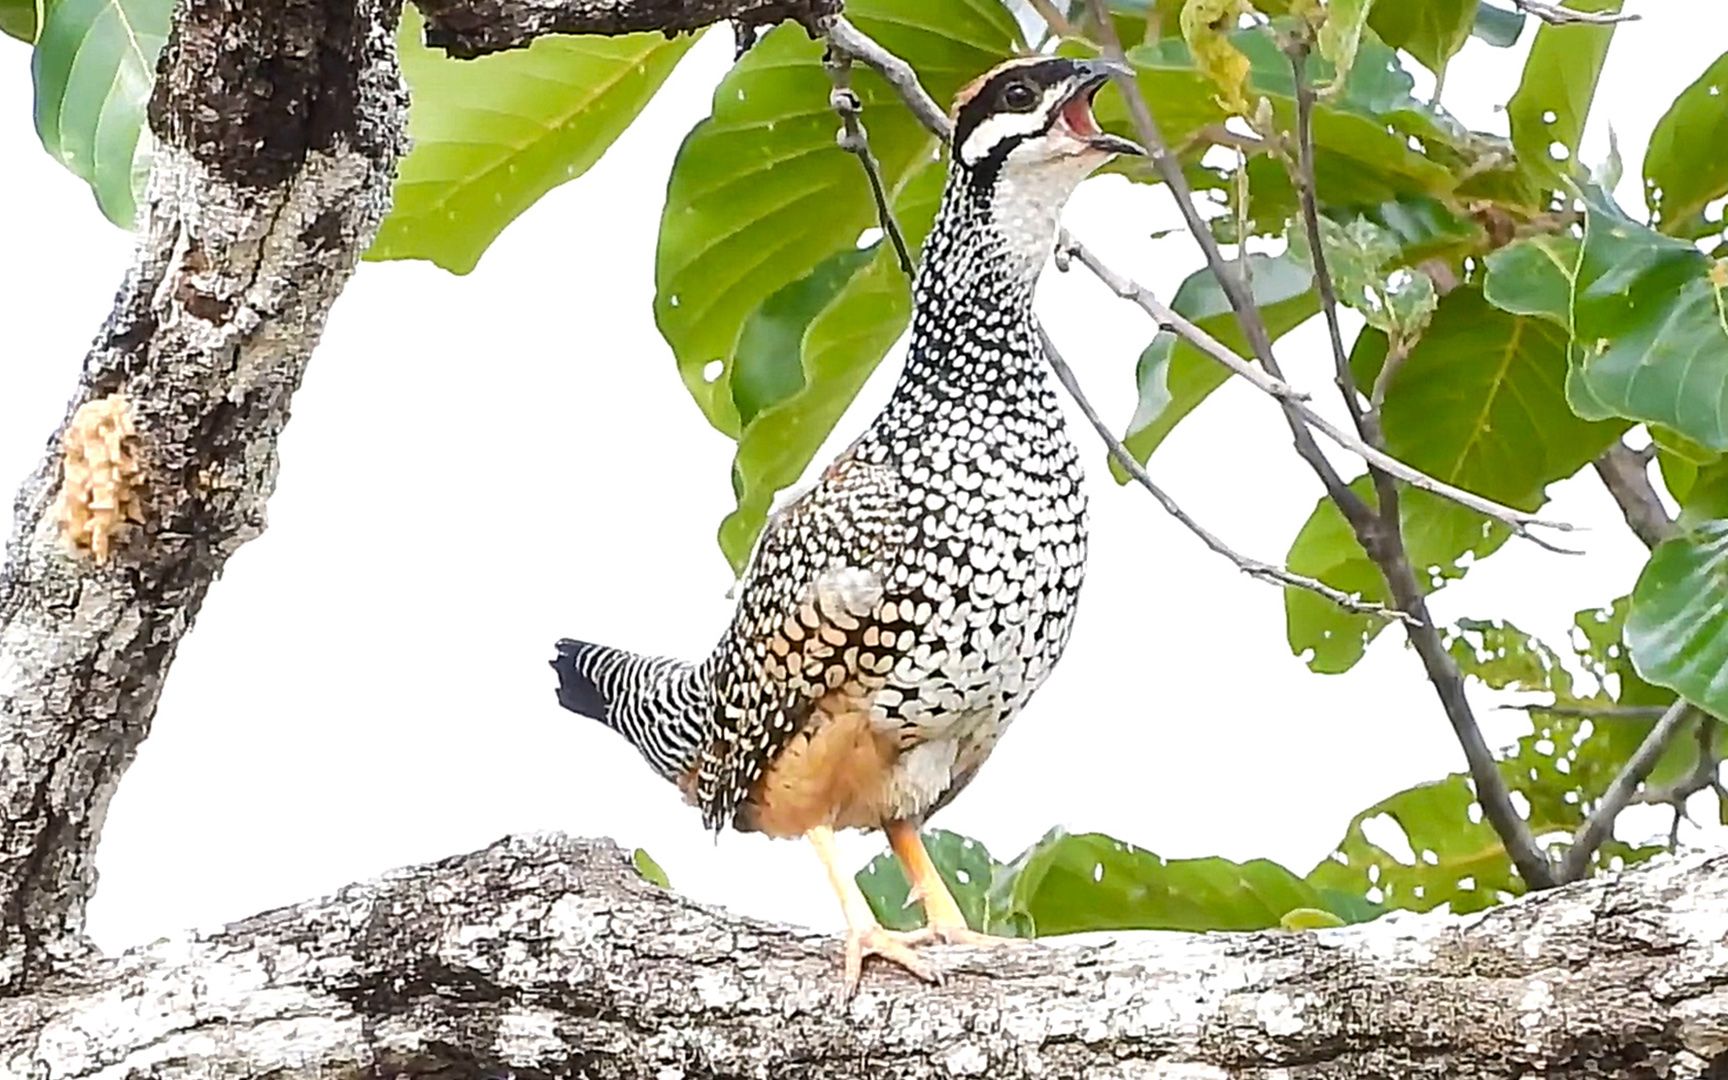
[892, 946]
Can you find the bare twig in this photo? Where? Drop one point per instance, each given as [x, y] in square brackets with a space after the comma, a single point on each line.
[852, 41]
[1594, 712]
[1254, 568]
[1518, 521]
[1625, 472]
[1382, 537]
[855, 141]
[1303, 174]
[1600, 825]
[1706, 775]
[1556, 15]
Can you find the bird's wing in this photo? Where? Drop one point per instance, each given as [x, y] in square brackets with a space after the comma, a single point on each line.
[818, 614]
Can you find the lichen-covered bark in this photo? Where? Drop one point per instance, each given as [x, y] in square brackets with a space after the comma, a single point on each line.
[470, 28]
[547, 957]
[278, 124]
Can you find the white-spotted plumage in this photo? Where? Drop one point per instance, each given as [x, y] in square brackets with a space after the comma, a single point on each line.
[930, 576]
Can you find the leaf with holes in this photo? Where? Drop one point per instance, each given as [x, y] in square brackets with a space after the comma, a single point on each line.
[1677, 628]
[1548, 111]
[1074, 883]
[1174, 377]
[93, 66]
[1479, 403]
[1362, 130]
[1651, 337]
[760, 195]
[1341, 34]
[965, 865]
[492, 135]
[803, 356]
[1684, 167]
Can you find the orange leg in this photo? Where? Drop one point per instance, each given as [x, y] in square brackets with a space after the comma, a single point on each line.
[943, 919]
[864, 935]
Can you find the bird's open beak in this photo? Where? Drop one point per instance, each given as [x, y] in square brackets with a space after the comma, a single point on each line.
[1077, 110]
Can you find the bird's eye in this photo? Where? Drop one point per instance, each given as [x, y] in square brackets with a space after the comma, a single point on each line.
[1019, 96]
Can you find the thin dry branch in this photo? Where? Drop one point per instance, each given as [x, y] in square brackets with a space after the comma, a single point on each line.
[1557, 15]
[1625, 472]
[898, 73]
[1254, 568]
[1519, 521]
[1600, 825]
[856, 141]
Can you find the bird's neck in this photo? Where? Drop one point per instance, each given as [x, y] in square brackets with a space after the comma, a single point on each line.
[972, 326]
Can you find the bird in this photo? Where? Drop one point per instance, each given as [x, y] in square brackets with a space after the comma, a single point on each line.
[895, 617]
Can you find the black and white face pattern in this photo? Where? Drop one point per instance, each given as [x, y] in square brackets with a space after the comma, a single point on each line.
[1024, 138]
[1031, 113]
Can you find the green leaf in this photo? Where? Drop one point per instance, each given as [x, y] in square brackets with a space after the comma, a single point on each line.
[93, 67]
[1480, 403]
[1454, 856]
[1398, 302]
[649, 869]
[1554, 96]
[492, 135]
[1429, 30]
[1648, 322]
[1437, 535]
[1361, 130]
[1309, 919]
[1341, 33]
[1684, 168]
[1174, 377]
[1497, 26]
[1070, 884]
[760, 195]
[1534, 276]
[1207, 27]
[804, 355]
[18, 19]
[1677, 628]
[965, 865]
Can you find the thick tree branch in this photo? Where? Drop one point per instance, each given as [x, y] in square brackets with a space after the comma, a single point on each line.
[470, 28]
[547, 957]
[258, 209]
[1625, 472]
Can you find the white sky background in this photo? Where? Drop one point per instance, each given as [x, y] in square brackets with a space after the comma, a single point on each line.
[479, 465]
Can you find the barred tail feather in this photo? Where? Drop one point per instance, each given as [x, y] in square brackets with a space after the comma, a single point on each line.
[660, 705]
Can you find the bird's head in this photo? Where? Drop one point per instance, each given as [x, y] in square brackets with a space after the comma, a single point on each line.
[1032, 117]
[1024, 138]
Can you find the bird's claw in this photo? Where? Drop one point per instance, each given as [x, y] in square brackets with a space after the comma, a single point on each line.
[892, 946]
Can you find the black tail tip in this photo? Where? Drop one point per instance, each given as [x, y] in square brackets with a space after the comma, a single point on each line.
[576, 691]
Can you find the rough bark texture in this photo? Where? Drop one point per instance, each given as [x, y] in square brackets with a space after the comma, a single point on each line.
[470, 28]
[548, 957]
[278, 124]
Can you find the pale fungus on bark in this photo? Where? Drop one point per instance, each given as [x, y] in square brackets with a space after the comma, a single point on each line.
[101, 475]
